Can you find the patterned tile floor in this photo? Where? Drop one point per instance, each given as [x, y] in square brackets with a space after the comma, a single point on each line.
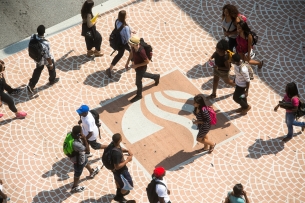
[183, 34]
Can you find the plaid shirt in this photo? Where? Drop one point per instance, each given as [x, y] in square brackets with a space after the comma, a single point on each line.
[46, 49]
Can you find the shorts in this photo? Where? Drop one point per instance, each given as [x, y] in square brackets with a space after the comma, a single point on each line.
[78, 169]
[222, 74]
[94, 144]
[118, 179]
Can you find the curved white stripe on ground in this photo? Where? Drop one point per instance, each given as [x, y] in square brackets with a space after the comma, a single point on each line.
[174, 104]
[185, 122]
[135, 125]
[179, 95]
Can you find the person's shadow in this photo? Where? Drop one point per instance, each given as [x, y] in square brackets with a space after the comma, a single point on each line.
[69, 63]
[104, 198]
[199, 71]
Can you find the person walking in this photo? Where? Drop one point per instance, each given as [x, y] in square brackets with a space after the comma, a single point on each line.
[46, 60]
[161, 187]
[92, 37]
[236, 196]
[242, 81]
[203, 122]
[7, 87]
[140, 62]
[125, 34]
[221, 67]
[6, 98]
[292, 95]
[80, 160]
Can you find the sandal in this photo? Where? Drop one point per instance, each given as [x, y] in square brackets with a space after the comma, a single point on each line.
[303, 128]
[202, 150]
[261, 65]
[212, 96]
[212, 148]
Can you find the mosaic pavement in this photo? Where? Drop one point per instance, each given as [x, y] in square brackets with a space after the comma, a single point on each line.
[183, 34]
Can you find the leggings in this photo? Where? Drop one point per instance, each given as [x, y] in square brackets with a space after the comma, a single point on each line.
[9, 101]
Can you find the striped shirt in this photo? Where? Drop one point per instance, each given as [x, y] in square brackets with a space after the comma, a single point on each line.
[241, 75]
[46, 50]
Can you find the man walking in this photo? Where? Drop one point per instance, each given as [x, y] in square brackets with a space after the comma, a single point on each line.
[140, 61]
[161, 187]
[47, 59]
[242, 81]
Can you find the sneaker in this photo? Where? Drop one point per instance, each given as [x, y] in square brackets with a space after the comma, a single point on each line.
[95, 171]
[1, 115]
[136, 98]
[245, 111]
[108, 72]
[98, 53]
[119, 199]
[30, 88]
[78, 189]
[21, 115]
[89, 155]
[239, 110]
[303, 127]
[286, 139]
[54, 81]
[157, 80]
[15, 92]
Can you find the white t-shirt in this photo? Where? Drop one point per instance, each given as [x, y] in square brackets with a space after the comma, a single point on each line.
[241, 75]
[88, 125]
[161, 190]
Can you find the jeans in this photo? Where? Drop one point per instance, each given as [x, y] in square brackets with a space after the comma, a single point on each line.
[37, 73]
[236, 97]
[232, 43]
[141, 73]
[120, 54]
[118, 179]
[290, 122]
[9, 101]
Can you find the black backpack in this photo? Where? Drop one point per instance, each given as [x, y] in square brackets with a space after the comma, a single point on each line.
[96, 117]
[115, 39]
[151, 191]
[107, 156]
[148, 49]
[301, 110]
[35, 48]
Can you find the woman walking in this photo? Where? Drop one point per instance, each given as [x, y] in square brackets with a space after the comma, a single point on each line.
[92, 37]
[292, 95]
[203, 121]
[244, 44]
[125, 34]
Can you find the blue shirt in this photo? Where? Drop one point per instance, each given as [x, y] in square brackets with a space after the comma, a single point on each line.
[125, 32]
[234, 199]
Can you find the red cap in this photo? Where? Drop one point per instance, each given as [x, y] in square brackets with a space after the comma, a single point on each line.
[159, 171]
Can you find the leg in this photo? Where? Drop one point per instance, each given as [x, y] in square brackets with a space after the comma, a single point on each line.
[95, 145]
[119, 55]
[155, 77]
[97, 44]
[215, 84]
[36, 75]
[289, 122]
[52, 73]
[228, 81]
[301, 124]
[236, 97]
[9, 101]
[258, 63]
[7, 87]
[78, 170]
[139, 75]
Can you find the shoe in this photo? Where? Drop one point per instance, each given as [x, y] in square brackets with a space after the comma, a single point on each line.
[286, 139]
[1, 115]
[21, 115]
[245, 111]
[119, 199]
[30, 89]
[15, 92]
[89, 155]
[54, 81]
[90, 52]
[95, 171]
[239, 110]
[157, 80]
[108, 72]
[77, 189]
[212, 96]
[303, 127]
[136, 98]
[98, 53]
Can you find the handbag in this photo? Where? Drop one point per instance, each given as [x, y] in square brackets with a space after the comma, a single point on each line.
[89, 35]
[286, 105]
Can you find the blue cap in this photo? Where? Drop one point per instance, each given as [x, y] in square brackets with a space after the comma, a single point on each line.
[82, 109]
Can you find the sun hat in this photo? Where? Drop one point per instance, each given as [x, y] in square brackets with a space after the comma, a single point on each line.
[134, 40]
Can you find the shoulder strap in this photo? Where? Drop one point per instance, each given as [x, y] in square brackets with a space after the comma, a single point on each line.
[160, 183]
[120, 29]
[230, 26]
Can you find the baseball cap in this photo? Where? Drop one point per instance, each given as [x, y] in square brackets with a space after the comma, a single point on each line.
[134, 40]
[82, 109]
[159, 171]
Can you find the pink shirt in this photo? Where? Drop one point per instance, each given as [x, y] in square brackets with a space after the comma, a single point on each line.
[294, 101]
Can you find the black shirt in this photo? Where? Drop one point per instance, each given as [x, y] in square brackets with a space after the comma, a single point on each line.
[117, 158]
[220, 61]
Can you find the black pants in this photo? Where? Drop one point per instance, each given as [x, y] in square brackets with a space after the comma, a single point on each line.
[232, 43]
[120, 54]
[96, 42]
[236, 97]
[37, 73]
[9, 101]
[141, 73]
[7, 88]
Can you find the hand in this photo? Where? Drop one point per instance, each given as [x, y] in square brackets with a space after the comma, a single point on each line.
[129, 158]
[50, 67]
[194, 121]
[168, 192]
[0, 103]
[134, 32]
[82, 136]
[79, 122]
[130, 153]
[276, 108]
[126, 67]
[133, 66]
[244, 193]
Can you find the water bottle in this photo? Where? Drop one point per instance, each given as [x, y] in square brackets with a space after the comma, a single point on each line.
[242, 96]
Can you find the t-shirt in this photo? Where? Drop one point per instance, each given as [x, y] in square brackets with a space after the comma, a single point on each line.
[139, 56]
[88, 125]
[294, 101]
[241, 75]
[220, 61]
[78, 146]
[117, 158]
[234, 199]
[161, 190]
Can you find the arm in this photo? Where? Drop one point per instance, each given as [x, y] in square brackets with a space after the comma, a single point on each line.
[249, 46]
[89, 135]
[246, 197]
[227, 65]
[161, 199]
[122, 164]
[129, 58]
[89, 23]
[83, 137]
[140, 64]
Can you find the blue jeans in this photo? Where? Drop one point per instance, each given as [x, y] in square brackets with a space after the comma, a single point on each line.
[290, 122]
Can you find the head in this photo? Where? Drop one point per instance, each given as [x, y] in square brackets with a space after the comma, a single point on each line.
[221, 47]
[159, 172]
[199, 102]
[134, 41]
[230, 10]
[122, 17]
[2, 66]
[242, 27]
[83, 110]
[41, 30]
[292, 90]
[236, 59]
[87, 8]
[238, 189]
[76, 131]
[117, 138]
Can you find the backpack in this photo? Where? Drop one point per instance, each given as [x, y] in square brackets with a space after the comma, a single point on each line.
[107, 156]
[96, 117]
[68, 146]
[242, 17]
[301, 110]
[115, 39]
[148, 49]
[151, 191]
[212, 114]
[250, 70]
[35, 49]
[254, 38]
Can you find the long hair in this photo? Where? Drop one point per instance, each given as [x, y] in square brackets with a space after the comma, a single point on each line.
[87, 9]
[292, 90]
[199, 100]
[244, 26]
[122, 17]
[233, 11]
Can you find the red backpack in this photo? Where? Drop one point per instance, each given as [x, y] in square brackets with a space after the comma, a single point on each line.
[212, 114]
[242, 17]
